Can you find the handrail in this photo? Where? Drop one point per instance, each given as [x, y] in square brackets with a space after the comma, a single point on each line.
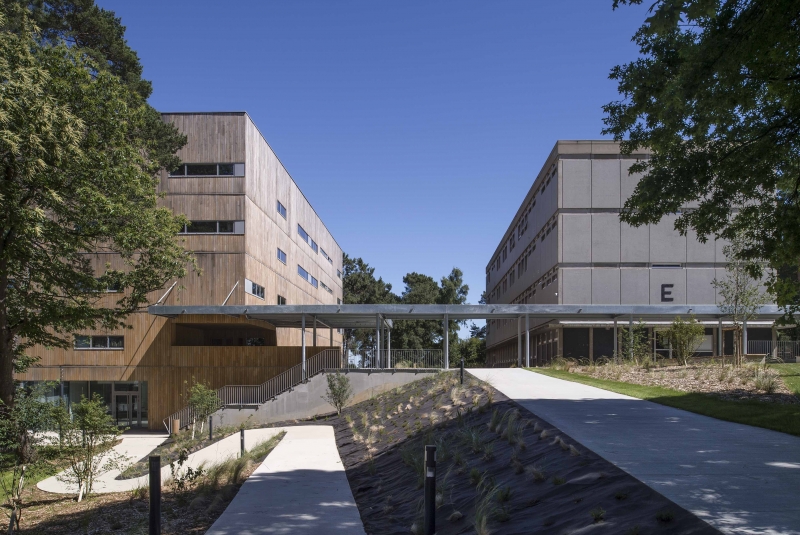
[270, 389]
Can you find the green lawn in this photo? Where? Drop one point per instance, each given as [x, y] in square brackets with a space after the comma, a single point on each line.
[783, 418]
[790, 374]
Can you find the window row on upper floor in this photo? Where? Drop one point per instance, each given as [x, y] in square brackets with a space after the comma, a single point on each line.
[208, 169]
[213, 227]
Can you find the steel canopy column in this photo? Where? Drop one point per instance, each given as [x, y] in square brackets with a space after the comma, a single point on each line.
[720, 346]
[519, 341]
[527, 341]
[774, 351]
[615, 338]
[389, 347]
[330, 336]
[744, 336]
[630, 338]
[303, 346]
[377, 359]
[446, 344]
[315, 332]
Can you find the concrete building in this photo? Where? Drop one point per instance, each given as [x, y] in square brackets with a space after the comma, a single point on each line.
[566, 245]
[256, 238]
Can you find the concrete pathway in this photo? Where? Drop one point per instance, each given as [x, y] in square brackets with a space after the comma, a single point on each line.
[740, 479]
[300, 488]
[134, 447]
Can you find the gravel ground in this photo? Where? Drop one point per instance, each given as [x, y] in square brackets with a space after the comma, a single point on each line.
[726, 381]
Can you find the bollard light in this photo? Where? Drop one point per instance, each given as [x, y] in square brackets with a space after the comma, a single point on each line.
[462, 371]
[430, 490]
[210, 433]
[241, 440]
[155, 495]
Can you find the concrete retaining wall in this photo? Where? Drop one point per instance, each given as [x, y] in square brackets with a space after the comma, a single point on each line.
[305, 400]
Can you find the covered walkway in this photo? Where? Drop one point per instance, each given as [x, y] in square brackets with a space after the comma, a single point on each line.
[740, 479]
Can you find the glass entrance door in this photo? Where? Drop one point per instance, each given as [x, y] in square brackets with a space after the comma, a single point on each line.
[126, 410]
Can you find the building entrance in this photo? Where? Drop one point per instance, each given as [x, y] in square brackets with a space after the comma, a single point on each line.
[127, 410]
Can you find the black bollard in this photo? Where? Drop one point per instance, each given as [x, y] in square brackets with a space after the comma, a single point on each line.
[462, 371]
[210, 432]
[430, 490]
[155, 495]
[241, 439]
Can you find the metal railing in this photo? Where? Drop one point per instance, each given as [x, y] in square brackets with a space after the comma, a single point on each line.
[397, 358]
[786, 351]
[233, 395]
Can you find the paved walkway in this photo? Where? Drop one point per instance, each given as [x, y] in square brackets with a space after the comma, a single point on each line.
[300, 488]
[135, 447]
[740, 479]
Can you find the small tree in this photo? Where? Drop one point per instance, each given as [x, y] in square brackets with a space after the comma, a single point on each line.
[88, 439]
[684, 337]
[203, 402]
[740, 292]
[635, 344]
[22, 432]
[339, 391]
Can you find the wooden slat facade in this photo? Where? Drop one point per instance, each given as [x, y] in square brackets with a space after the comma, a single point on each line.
[150, 353]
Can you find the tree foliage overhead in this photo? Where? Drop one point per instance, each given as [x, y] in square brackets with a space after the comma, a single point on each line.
[716, 96]
[78, 160]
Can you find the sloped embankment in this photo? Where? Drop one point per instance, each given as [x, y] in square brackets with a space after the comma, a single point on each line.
[500, 469]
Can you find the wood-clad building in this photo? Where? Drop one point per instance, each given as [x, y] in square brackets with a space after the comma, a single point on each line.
[257, 240]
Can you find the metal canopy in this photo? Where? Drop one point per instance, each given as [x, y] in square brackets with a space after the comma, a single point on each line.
[364, 316]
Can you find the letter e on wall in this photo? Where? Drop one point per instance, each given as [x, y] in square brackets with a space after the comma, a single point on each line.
[666, 293]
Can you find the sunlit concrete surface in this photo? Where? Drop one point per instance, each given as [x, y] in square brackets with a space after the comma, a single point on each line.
[301, 487]
[136, 446]
[740, 479]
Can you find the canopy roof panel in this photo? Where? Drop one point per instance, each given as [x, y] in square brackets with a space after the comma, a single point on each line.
[365, 316]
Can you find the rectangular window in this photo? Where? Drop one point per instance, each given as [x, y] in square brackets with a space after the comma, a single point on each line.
[338, 301]
[225, 169]
[281, 256]
[99, 342]
[281, 300]
[324, 254]
[201, 169]
[208, 169]
[306, 238]
[339, 273]
[303, 234]
[214, 227]
[307, 276]
[281, 210]
[254, 289]
[201, 227]
[325, 287]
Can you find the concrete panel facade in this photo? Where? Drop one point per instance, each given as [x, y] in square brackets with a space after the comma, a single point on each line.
[596, 259]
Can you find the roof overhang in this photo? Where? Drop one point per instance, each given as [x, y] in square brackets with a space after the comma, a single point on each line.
[366, 316]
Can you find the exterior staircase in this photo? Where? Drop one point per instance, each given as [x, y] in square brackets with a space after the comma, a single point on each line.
[253, 395]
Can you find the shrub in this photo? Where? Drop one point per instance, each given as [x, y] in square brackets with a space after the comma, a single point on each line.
[87, 441]
[536, 473]
[764, 380]
[203, 401]
[339, 391]
[558, 480]
[684, 337]
[598, 514]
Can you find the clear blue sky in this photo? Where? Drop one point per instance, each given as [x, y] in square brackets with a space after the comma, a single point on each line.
[414, 128]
